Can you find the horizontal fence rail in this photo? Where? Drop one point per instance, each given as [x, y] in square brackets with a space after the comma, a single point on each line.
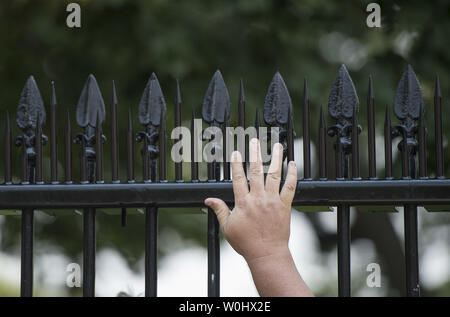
[344, 189]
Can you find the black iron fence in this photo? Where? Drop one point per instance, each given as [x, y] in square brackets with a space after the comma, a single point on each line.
[347, 189]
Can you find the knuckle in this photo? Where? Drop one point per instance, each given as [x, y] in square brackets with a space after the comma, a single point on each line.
[290, 187]
[238, 178]
[274, 176]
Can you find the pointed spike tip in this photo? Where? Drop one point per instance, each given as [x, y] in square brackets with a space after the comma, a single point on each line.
[437, 87]
[53, 101]
[178, 97]
[305, 89]
[370, 94]
[241, 91]
[114, 93]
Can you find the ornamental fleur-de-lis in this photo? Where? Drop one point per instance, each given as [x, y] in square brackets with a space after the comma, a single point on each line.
[343, 103]
[29, 111]
[90, 114]
[277, 108]
[152, 110]
[216, 103]
[408, 104]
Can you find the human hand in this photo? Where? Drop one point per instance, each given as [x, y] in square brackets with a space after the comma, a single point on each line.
[259, 225]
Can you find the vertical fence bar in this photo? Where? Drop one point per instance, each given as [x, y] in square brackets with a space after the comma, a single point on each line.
[322, 147]
[98, 152]
[114, 137]
[438, 130]
[422, 146]
[226, 161]
[342, 106]
[194, 163]
[355, 145]
[90, 114]
[241, 122]
[408, 106]
[38, 151]
[387, 144]
[371, 130]
[31, 143]
[130, 149]
[68, 148]
[215, 111]
[306, 134]
[53, 138]
[178, 103]
[152, 110]
[7, 150]
[290, 138]
[257, 123]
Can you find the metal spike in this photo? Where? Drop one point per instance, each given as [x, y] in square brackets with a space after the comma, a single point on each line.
[194, 164]
[30, 106]
[277, 103]
[7, 150]
[408, 97]
[438, 129]
[388, 144]
[290, 138]
[178, 104]
[114, 137]
[422, 145]
[306, 133]
[68, 148]
[38, 150]
[343, 97]
[178, 97]
[90, 104]
[53, 137]
[216, 103]
[130, 149]
[371, 130]
[152, 103]
[322, 146]
[257, 123]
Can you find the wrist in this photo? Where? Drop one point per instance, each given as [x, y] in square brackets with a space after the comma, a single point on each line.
[269, 255]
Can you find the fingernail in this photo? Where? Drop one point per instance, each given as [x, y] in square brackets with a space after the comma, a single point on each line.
[292, 164]
[235, 156]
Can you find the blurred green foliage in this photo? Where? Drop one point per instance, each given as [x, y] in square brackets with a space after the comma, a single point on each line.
[127, 40]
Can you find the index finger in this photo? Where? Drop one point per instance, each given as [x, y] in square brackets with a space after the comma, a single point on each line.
[240, 185]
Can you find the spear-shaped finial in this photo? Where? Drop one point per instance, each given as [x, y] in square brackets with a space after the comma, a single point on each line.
[408, 97]
[216, 103]
[277, 103]
[31, 106]
[343, 97]
[152, 103]
[90, 104]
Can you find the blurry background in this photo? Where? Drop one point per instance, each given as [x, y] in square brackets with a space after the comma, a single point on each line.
[127, 40]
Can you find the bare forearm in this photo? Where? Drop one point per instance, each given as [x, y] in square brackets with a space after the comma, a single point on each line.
[276, 276]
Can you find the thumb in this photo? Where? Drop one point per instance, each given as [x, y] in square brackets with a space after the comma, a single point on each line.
[220, 209]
